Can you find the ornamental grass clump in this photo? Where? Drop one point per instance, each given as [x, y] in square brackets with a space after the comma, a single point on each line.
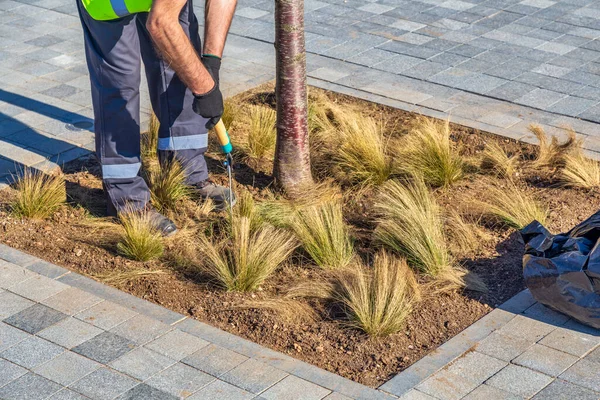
[580, 171]
[260, 142]
[411, 223]
[513, 206]
[141, 241]
[495, 158]
[38, 195]
[551, 153]
[167, 182]
[324, 234]
[361, 156]
[243, 260]
[428, 151]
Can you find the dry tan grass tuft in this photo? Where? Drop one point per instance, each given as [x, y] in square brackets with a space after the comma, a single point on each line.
[141, 240]
[324, 235]
[38, 195]
[289, 309]
[513, 206]
[464, 237]
[497, 159]
[230, 113]
[580, 171]
[552, 153]
[120, 277]
[246, 207]
[245, 259]
[428, 151]
[260, 142]
[167, 185]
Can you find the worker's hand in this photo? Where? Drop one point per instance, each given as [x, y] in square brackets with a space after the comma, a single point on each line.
[209, 105]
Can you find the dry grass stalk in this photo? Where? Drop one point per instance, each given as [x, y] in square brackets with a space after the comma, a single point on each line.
[38, 195]
[141, 240]
[580, 171]
[320, 113]
[497, 159]
[324, 235]
[246, 208]
[230, 111]
[246, 259]
[361, 154]
[260, 142]
[121, 277]
[427, 151]
[289, 309]
[464, 237]
[167, 185]
[551, 153]
[149, 141]
[513, 206]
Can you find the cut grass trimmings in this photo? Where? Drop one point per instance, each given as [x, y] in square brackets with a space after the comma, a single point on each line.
[513, 206]
[246, 259]
[38, 195]
[324, 234]
[141, 240]
[427, 151]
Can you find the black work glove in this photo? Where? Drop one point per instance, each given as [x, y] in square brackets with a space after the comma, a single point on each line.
[210, 104]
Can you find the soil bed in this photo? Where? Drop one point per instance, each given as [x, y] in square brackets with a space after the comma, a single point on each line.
[72, 239]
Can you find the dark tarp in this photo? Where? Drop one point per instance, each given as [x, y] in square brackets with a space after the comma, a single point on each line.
[563, 271]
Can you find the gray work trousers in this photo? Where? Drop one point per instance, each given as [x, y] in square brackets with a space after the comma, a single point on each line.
[114, 50]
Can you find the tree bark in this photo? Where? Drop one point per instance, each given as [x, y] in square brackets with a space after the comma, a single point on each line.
[292, 155]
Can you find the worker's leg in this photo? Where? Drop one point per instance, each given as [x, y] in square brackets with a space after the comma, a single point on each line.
[113, 57]
[182, 133]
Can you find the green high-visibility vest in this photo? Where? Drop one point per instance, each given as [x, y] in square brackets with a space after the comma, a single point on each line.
[105, 10]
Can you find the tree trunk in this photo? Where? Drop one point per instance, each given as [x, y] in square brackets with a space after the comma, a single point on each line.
[292, 154]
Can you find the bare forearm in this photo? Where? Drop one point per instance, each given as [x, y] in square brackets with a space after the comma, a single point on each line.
[217, 20]
[176, 48]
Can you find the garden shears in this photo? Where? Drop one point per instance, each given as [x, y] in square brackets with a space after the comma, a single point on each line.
[226, 148]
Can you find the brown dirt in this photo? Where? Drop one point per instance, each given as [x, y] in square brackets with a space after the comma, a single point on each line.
[74, 240]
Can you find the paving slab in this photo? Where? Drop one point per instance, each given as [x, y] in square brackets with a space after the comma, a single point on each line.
[180, 380]
[103, 384]
[141, 363]
[29, 387]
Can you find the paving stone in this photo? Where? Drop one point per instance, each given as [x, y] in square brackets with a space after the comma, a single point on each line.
[11, 274]
[500, 119]
[31, 352]
[410, 395]
[67, 394]
[214, 360]
[560, 389]
[584, 373]
[35, 318]
[11, 303]
[70, 332]
[177, 344]
[180, 380]
[38, 288]
[47, 269]
[10, 336]
[253, 376]
[525, 328]
[66, 368]
[141, 363]
[503, 347]
[103, 384]
[520, 381]
[16, 257]
[105, 347]
[145, 392]
[476, 366]
[445, 385]
[546, 360]
[72, 301]
[29, 387]
[572, 342]
[485, 392]
[221, 390]
[292, 387]
[141, 329]
[106, 315]
[9, 372]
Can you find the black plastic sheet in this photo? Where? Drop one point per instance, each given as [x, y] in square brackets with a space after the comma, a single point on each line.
[563, 271]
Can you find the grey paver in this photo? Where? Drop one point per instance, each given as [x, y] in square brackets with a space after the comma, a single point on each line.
[38, 288]
[10, 336]
[485, 392]
[214, 360]
[35, 318]
[11, 303]
[526, 328]
[584, 373]
[103, 384]
[544, 359]
[177, 344]
[47, 269]
[572, 342]
[9, 372]
[413, 394]
[67, 394]
[141, 329]
[518, 380]
[180, 380]
[253, 376]
[67, 368]
[445, 385]
[503, 347]
[560, 389]
[141, 363]
[476, 366]
[221, 390]
[29, 387]
[105, 347]
[32, 352]
[292, 387]
[11, 274]
[106, 315]
[16, 257]
[72, 301]
[145, 392]
[70, 332]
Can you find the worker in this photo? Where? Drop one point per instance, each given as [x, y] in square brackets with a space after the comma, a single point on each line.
[183, 81]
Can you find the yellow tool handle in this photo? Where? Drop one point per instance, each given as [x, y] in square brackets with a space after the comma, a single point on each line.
[223, 137]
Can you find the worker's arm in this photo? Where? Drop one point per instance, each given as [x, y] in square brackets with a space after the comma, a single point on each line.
[175, 47]
[217, 20]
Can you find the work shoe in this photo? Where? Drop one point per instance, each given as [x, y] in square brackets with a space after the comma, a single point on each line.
[164, 225]
[217, 193]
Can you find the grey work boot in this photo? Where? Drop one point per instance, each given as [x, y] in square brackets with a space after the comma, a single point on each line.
[162, 224]
[218, 194]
